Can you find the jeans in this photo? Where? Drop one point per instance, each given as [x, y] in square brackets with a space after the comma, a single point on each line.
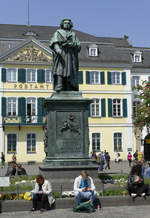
[89, 195]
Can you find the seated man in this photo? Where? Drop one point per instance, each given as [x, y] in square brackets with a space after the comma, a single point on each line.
[84, 188]
[11, 170]
[42, 194]
[20, 170]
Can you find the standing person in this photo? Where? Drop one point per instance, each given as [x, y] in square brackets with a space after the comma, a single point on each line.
[42, 193]
[139, 156]
[3, 159]
[117, 157]
[84, 187]
[147, 172]
[135, 155]
[107, 158]
[102, 161]
[14, 158]
[129, 158]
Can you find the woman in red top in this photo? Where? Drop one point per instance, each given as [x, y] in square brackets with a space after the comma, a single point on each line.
[129, 158]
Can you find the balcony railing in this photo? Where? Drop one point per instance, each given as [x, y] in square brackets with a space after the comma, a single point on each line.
[23, 120]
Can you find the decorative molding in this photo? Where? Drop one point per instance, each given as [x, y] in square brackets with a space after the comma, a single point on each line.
[30, 53]
[112, 125]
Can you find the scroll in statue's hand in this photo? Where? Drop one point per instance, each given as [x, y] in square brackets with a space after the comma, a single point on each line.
[58, 51]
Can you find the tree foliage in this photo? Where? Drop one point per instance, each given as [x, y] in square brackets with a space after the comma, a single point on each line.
[142, 116]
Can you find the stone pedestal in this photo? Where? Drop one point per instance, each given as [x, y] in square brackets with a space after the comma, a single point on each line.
[67, 130]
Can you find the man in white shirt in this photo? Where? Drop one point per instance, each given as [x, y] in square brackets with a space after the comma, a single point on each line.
[84, 187]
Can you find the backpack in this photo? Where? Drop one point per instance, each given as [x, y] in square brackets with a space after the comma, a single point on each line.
[84, 207]
[97, 203]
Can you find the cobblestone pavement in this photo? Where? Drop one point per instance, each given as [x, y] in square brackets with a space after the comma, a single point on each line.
[121, 167]
[107, 212]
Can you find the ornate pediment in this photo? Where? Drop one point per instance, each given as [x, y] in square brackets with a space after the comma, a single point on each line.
[29, 53]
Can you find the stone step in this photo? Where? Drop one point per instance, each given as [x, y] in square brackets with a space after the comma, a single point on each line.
[62, 203]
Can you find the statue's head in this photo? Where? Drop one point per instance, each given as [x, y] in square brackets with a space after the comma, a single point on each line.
[66, 24]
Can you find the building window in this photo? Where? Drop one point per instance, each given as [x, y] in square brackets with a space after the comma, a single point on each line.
[95, 77]
[116, 78]
[93, 51]
[137, 57]
[117, 142]
[96, 108]
[11, 46]
[116, 107]
[135, 81]
[11, 74]
[31, 106]
[11, 107]
[135, 107]
[48, 76]
[96, 144]
[148, 78]
[31, 75]
[31, 143]
[11, 143]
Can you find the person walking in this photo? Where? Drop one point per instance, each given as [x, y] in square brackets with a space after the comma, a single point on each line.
[129, 158]
[3, 159]
[135, 155]
[102, 162]
[107, 158]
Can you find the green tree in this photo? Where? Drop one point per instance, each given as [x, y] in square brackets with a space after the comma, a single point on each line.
[142, 116]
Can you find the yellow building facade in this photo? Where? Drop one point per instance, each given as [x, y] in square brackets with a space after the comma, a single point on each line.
[26, 81]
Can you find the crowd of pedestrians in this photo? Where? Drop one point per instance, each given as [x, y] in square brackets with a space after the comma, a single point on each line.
[102, 159]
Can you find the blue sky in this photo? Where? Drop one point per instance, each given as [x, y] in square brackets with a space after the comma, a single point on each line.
[112, 18]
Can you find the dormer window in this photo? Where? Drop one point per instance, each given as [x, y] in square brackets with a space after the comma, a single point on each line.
[93, 50]
[137, 56]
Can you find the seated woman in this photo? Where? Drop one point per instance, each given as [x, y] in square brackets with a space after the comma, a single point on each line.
[42, 194]
[136, 186]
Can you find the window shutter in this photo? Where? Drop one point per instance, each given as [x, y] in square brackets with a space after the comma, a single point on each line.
[41, 110]
[123, 78]
[22, 75]
[109, 107]
[125, 108]
[87, 77]
[80, 77]
[89, 110]
[103, 107]
[22, 109]
[41, 76]
[3, 75]
[102, 77]
[109, 80]
[3, 106]
[19, 107]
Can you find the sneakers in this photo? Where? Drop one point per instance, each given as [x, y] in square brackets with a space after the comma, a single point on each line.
[133, 195]
[143, 194]
[32, 210]
[42, 210]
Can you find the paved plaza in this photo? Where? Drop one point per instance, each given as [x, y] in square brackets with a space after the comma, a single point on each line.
[121, 167]
[107, 212]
